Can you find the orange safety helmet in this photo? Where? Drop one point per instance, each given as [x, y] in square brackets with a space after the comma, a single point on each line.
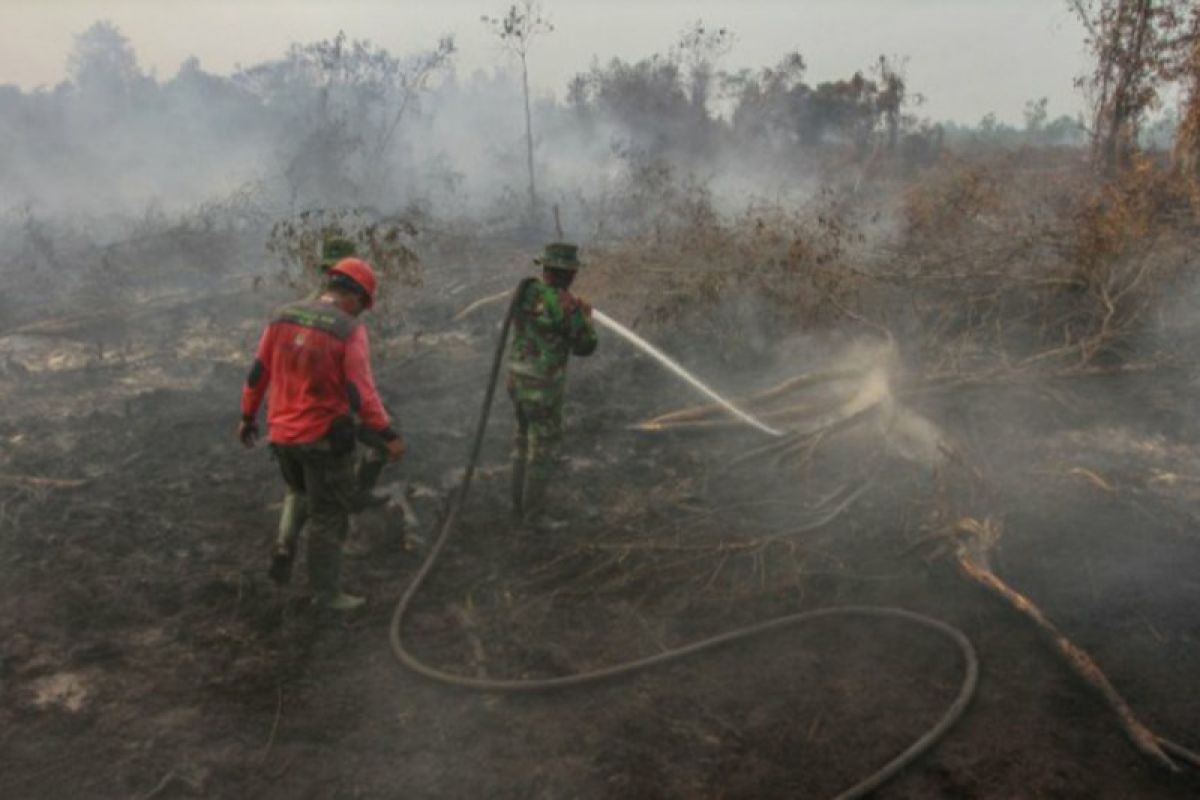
[359, 273]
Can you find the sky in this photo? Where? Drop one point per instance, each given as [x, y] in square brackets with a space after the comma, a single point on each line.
[967, 57]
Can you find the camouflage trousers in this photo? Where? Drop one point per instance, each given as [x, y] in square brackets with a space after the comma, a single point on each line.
[321, 486]
[537, 444]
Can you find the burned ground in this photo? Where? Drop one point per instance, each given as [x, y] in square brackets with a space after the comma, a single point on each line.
[145, 653]
[998, 329]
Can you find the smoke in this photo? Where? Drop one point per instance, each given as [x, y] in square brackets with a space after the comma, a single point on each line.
[716, 235]
[341, 122]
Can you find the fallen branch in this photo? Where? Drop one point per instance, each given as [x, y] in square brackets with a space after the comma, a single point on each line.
[975, 539]
[482, 302]
[849, 417]
[819, 522]
[782, 415]
[34, 482]
[697, 413]
[626, 548]
[1092, 478]
[1023, 373]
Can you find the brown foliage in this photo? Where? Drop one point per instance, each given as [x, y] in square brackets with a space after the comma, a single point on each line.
[1113, 218]
[385, 242]
[791, 263]
[1139, 46]
[949, 199]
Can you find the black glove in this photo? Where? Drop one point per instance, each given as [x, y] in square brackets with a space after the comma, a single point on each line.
[248, 432]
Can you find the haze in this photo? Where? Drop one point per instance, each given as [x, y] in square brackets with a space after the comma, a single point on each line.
[967, 57]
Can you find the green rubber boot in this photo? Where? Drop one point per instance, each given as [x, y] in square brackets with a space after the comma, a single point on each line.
[291, 522]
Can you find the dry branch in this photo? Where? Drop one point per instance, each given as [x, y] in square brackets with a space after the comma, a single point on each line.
[482, 302]
[1093, 478]
[626, 548]
[1023, 373]
[788, 414]
[35, 482]
[975, 538]
[697, 413]
[800, 440]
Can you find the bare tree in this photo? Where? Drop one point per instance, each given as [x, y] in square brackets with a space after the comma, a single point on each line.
[1137, 44]
[345, 99]
[698, 50]
[892, 96]
[516, 30]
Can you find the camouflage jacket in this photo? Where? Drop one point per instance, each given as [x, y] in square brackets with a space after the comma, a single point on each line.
[549, 325]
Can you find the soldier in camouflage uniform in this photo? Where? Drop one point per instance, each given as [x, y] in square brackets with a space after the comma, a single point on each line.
[549, 325]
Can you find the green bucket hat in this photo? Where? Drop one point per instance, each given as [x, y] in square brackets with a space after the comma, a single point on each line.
[559, 255]
[334, 249]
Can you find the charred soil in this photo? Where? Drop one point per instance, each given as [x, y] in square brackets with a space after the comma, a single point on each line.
[144, 652]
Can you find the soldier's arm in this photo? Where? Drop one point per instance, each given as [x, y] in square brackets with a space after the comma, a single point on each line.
[583, 331]
[545, 308]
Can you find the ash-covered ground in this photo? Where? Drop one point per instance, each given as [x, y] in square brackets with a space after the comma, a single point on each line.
[145, 653]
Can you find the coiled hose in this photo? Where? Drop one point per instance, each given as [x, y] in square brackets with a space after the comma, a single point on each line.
[447, 527]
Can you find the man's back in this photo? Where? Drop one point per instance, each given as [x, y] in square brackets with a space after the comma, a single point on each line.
[313, 365]
[308, 383]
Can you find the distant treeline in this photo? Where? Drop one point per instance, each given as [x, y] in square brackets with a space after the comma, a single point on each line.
[346, 122]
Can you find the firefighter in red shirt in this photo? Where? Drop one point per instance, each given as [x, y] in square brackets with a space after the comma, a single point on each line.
[313, 367]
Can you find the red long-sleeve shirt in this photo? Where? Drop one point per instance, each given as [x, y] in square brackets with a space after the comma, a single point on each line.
[313, 366]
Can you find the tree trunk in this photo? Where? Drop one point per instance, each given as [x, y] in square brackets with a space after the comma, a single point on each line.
[1187, 140]
[529, 140]
[1120, 138]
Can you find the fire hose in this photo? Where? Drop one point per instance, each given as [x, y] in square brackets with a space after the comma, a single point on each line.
[449, 521]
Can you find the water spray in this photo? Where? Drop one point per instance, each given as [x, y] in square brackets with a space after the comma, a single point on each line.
[675, 368]
[662, 358]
